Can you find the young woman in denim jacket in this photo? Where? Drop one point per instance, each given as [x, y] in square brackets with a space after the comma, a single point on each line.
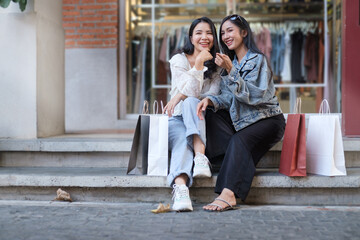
[245, 120]
[194, 75]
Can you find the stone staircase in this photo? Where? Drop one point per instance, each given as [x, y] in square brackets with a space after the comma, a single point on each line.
[92, 167]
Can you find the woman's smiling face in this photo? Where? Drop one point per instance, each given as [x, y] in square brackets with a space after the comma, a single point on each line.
[202, 37]
[232, 36]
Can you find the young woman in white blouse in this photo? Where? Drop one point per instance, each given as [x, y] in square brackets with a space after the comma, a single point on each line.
[194, 75]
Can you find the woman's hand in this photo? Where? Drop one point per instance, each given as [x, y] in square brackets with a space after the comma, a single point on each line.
[201, 107]
[170, 106]
[203, 56]
[223, 60]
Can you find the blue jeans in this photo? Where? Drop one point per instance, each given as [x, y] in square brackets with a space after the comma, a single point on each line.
[181, 131]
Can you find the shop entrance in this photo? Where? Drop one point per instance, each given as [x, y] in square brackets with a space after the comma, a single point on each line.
[303, 48]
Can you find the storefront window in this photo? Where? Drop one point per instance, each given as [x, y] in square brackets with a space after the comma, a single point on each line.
[290, 33]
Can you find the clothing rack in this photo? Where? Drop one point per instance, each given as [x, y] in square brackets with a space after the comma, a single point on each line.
[213, 5]
[250, 19]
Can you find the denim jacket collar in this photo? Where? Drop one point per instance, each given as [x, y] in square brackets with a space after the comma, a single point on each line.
[249, 56]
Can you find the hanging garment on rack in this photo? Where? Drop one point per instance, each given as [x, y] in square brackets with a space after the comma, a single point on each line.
[173, 42]
[281, 51]
[286, 72]
[311, 56]
[303, 68]
[320, 91]
[296, 48]
[140, 80]
[143, 76]
[162, 69]
[278, 51]
[135, 47]
[163, 48]
[321, 52]
[181, 35]
[331, 88]
[137, 82]
[148, 69]
[263, 42]
[274, 44]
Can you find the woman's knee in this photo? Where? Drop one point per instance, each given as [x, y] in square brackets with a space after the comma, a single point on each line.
[191, 102]
[237, 144]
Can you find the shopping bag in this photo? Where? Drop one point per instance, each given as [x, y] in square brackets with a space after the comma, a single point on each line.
[157, 159]
[325, 151]
[139, 149]
[293, 152]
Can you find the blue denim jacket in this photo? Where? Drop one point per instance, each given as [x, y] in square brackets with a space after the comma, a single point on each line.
[248, 91]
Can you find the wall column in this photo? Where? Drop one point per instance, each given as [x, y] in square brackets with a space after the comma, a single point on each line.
[32, 95]
[350, 68]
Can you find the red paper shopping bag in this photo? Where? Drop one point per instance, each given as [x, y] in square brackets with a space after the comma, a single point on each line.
[293, 153]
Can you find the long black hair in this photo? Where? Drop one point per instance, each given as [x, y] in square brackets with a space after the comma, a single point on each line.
[249, 42]
[189, 47]
[242, 24]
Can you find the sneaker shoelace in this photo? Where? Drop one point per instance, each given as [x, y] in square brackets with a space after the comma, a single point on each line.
[179, 193]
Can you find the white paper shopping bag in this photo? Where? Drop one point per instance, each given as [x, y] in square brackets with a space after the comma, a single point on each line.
[158, 145]
[324, 145]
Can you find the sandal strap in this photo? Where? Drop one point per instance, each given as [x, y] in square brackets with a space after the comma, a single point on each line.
[222, 200]
[215, 205]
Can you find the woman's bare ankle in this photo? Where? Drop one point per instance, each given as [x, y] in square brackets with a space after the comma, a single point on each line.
[181, 179]
[198, 144]
[228, 195]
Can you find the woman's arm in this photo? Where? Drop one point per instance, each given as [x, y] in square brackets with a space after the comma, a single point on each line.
[222, 100]
[201, 107]
[214, 83]
[252, 88]
[170, 106]
[188, 82]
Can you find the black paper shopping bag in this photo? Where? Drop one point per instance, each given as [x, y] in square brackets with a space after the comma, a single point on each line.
[139, 149]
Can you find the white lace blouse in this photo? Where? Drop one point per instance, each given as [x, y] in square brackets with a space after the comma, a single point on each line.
[190, 81]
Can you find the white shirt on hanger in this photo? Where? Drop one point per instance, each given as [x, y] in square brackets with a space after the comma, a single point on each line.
[286, 72]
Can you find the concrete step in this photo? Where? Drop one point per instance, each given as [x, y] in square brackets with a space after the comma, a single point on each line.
[113, 185]
[109, 150]
[70, 150]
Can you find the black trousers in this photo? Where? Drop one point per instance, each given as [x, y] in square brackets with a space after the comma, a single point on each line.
[239, 152]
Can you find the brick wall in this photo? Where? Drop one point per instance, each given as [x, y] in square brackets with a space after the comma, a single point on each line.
[90, 23]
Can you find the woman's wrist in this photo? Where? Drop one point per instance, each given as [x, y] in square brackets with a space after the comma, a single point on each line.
[181, 96]
[228, 69]
[199, 65]
[210, 103]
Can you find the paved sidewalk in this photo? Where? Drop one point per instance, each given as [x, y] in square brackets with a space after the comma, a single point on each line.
[32, 220]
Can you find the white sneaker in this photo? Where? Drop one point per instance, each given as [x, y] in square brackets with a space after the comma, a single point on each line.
[201, 166]
[181, 197]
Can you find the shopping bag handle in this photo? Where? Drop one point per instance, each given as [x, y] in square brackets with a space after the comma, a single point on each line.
[145, 107]
[297, 108]
[155, 107]
[324, 107]
[162, 107]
